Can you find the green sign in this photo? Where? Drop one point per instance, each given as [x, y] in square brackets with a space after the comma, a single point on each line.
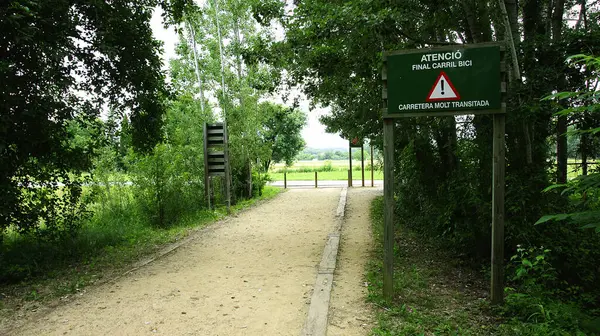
[452, 80]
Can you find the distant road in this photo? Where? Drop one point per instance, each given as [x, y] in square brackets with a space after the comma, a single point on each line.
[337, 184]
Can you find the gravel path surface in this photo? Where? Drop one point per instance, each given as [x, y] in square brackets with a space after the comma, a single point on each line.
[252, 275]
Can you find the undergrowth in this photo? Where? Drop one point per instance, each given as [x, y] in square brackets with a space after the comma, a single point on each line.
[435, 294]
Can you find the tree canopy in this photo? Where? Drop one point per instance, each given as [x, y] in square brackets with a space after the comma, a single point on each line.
[282, 132]
[62, 63]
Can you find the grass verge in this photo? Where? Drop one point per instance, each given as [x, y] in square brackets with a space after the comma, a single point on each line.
[433, 294]
[100, 251]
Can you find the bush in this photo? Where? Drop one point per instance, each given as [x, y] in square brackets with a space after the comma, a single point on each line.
[165, 188]
[259, 182]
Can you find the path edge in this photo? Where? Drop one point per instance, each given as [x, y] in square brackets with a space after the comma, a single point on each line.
[318, 311]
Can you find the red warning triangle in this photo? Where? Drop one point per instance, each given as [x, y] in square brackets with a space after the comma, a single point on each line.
[442, 89]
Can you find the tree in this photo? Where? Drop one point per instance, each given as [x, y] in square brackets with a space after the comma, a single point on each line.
[61, 63]
[236, 85]
[282, 133]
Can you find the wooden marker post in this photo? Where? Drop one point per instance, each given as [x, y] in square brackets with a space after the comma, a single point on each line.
[315, 179]
[284, 180]
[498, 182]
[350, 163]
[349, 177]
[227, 168]
[362, 163]
[388, 212]
[372, 167]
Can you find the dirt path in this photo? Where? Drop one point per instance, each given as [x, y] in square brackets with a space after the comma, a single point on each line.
[250, 276]
[349, 315]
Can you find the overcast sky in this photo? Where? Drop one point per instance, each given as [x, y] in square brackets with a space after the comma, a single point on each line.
[314, 133]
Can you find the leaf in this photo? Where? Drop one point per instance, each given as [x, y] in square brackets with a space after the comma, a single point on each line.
[560, 95]
[527, 263]
[520, 273]
[554, 186]
[591, 226]
[547, 218]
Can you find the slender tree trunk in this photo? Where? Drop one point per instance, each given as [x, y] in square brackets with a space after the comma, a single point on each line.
[196, 68]
[583, 144]
[470, 14]
[509, 11]
[582, 15]
[561, 124]
[236, 30]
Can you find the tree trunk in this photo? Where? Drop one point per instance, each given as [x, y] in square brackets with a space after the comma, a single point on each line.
[471, 20]
[583, 143]
[196, 68]
[236, 30]
[561, 124]
[447, 144]
[582, 15]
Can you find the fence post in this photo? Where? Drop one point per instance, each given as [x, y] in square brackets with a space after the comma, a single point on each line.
[315, 179]
[349, 178]
[284, 180]
[372, 167]
[362, 163]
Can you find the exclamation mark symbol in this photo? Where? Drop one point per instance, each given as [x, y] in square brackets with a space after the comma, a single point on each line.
[442, 86]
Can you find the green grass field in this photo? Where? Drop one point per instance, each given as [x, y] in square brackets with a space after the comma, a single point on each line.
[575, 170]
[328, 170]
[326, 176]
[316, 164]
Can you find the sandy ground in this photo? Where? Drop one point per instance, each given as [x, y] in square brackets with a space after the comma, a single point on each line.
[349, 314]
[252, 275]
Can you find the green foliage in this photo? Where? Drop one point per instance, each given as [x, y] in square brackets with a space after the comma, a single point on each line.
[532, 270]
[164, 190]
[429, 299]
[62, 62]
[583, 191]
[534, 315]
[258, 183]
[531, 306]
[281, 132]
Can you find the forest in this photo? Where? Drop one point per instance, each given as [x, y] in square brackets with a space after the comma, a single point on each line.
[101, 154]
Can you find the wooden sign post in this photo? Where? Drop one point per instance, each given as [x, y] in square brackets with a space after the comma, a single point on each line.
[216, 160]
[372, 166]
[446, 81]
[350, 166]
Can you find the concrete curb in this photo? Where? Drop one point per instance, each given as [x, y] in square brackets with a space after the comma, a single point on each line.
[316, 320]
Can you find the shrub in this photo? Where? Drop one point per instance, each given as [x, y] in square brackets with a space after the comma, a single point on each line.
[165, 188]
